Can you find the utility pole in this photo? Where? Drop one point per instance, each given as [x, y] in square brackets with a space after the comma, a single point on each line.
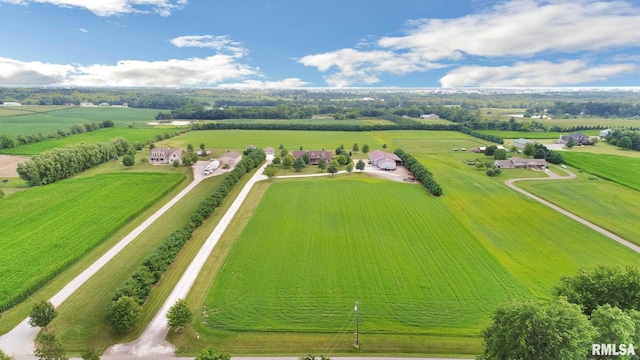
[356, 344]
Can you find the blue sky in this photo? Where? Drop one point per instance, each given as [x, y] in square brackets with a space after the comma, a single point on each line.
[329, 43]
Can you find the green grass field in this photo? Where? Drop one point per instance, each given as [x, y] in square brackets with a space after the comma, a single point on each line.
[607, 204]
[53, 226]
[619, 169]
[48, 119]
[223, 140]
[101, 135]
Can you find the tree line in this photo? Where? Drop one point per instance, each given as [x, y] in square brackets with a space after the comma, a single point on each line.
[60, 163]
[420, 172]
[124, 309]
[595, 108]
[6, 142]
[626, 139]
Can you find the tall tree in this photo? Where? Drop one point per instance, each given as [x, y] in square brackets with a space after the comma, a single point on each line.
[355, 148]
[365, 148]
[270, 172]
[527, 329]
[500, 154]
[288, 160]
[50, 348]
[42, 314]
[123, 314]
[333, 168]
[299, 164]
[179, 315]
[322, 164]
[489, 150]
[360, 165]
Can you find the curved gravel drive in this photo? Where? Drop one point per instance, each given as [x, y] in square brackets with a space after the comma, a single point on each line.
[553, 176]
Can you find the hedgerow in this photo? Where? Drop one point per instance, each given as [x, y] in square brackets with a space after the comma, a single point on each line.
[420, 172]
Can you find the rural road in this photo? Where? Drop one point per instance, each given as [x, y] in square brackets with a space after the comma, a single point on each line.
[20, 340]
[152, 341]
[554, 176]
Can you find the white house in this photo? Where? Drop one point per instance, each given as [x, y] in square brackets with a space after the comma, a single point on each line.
[10, 103]
[430, 116]
[160, 156]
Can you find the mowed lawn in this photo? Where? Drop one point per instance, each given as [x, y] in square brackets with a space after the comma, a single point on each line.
[102, 135]
[621, 169]
[605, 203]
[48, 228]
[224, 140]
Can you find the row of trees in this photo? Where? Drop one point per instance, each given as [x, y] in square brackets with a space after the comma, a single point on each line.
[7, 142]
[626, 139]
[597, 306]
[490, 137]
[60, 163]
[124, 309]
[596, 108]
[420, 172]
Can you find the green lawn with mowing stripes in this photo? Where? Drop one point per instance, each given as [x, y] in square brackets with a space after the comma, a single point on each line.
[620, 169]
[48, 228]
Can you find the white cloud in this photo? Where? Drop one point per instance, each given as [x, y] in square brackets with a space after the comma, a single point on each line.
[14, 72]
[536, 73]
[510, 31]
[207, 71]
[83, 30]
[220, 43]
[113, 7]
[257, 84]
[356, 66]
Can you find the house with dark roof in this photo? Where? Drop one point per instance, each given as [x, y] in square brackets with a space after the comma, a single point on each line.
[314, 156]
[160, 156]
[578, 137]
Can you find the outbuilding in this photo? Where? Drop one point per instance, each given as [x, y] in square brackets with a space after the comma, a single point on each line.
[230, 158]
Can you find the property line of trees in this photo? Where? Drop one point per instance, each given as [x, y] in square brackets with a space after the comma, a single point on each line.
[138, 286]
[60, 163]
[625, 139]
[323, 127]
[467, 130]
[420, 172]
[6, 142]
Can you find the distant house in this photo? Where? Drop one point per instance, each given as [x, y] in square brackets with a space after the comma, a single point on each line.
[10, 103]
[578, 137]
[518, 163]
[430, 116]
[86, 104]
[159, 156]
[104, 104]
[521, 143]
[604, 133]
[268, 151]
[384, 160]
[314, 156]
[251, 147]
[230, 158]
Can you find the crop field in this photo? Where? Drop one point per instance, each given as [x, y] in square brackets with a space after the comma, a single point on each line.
[292, 140]
[101, 135]
[604, 203]
[48, 119]
[620, 169]
[417, 264]
[53, 226]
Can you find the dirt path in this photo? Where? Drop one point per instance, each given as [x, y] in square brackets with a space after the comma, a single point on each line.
[554, 176]
[9, 163]
[20, 340]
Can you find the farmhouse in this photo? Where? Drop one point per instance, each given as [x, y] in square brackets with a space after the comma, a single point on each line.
[518, 163]
[10, 103]
[430, 116]
[160, 156]
[521, 143]
[268, 151]
[578, 137]
[604, 133]
[384, 160]
[314, 156]
[230, 158]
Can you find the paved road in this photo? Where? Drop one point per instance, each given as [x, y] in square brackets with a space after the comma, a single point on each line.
[20, 340]
[553, 176]
[152, 341]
